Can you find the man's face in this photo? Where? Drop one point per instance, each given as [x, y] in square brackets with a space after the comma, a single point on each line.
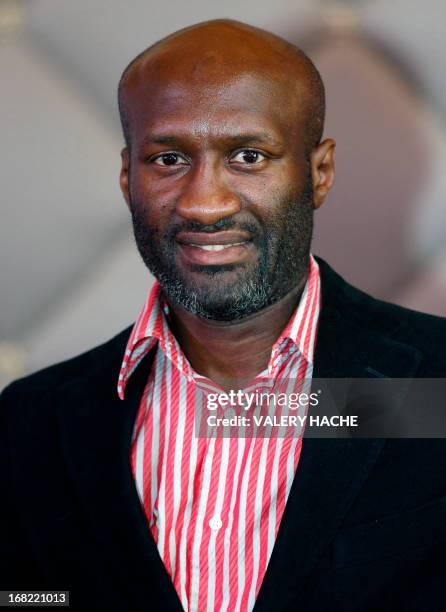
[220, 192]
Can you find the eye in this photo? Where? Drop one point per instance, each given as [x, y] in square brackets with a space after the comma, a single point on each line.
[169, 159]
[248, 156]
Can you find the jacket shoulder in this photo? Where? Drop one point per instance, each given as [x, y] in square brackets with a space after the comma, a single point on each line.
[425, 332]
[48, 379]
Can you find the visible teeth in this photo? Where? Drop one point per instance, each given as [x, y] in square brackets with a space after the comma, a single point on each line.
[216, 247]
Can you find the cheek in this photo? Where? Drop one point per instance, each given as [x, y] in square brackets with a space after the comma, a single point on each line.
[272, 205]
[153, 203]
[272, 191]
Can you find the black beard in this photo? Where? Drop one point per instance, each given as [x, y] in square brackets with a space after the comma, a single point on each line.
[283, 247]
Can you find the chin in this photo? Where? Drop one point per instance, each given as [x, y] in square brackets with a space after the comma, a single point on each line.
[221, 301]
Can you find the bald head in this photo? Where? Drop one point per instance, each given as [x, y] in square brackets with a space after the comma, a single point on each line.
[213, 53]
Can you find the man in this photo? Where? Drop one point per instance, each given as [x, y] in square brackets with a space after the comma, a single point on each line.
[109, 492]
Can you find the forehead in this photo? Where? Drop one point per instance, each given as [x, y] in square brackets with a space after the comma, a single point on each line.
[203, 103]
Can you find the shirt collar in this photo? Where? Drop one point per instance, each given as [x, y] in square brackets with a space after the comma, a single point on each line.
[152, 327]
[301, 327]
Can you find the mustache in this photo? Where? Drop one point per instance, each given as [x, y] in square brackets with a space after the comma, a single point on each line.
[225, 223]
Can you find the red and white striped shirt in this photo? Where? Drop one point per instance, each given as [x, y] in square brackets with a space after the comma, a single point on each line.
[213, 504]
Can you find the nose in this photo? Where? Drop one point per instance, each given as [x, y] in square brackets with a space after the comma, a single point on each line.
[206, 196]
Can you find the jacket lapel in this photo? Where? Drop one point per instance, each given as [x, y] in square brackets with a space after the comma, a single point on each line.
[331, 472]
[96, 429]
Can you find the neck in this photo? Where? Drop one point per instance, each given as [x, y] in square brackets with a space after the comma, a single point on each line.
[231, 353]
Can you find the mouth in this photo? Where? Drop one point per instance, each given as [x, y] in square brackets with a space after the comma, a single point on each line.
[215, 248]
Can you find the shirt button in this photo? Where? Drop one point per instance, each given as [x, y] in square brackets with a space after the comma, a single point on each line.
[215, 523]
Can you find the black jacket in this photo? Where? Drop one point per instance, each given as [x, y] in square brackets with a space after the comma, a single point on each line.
[365, 523]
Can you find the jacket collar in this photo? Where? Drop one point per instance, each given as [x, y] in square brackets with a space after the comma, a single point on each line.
[96, 430]
[356, 338]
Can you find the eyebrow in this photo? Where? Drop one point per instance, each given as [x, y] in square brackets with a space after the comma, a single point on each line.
[262, 137]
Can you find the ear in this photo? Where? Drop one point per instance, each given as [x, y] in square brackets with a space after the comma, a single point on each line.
[322, 170]
[124, 175]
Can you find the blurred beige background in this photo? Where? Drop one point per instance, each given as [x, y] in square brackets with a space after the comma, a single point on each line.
[70, 274]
